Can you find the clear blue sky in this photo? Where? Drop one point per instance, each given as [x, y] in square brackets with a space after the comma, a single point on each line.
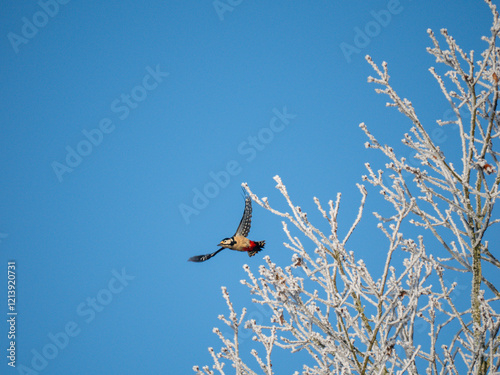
[158, 99]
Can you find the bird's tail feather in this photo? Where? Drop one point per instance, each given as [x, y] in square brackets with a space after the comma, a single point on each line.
[259, 246]
[202, 258]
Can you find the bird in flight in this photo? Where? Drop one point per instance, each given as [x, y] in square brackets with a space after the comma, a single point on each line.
[239, 240]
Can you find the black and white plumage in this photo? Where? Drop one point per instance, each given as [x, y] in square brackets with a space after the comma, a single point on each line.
[238, 241]
[246, 219]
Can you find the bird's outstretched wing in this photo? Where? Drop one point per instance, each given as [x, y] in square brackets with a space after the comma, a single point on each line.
[202, 258]
[246, 220]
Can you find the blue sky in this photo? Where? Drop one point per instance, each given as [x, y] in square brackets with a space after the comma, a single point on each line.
[115, 113]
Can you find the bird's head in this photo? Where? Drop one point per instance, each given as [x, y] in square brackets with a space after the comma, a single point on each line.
[227, 242]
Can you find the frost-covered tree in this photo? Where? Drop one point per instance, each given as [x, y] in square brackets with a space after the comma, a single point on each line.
[354, 319]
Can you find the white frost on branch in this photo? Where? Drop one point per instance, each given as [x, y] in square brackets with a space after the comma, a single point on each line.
[405, 318]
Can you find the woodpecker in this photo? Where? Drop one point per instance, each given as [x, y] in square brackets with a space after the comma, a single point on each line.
[238, 241]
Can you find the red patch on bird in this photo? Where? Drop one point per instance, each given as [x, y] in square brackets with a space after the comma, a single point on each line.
[252, 245]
